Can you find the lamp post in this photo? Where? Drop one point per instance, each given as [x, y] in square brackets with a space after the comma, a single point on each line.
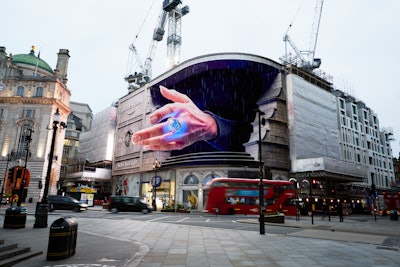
[261, 184]
[22, 185]
[311, 205]
[42, 207]
[156, 181]
[5, 176]
[373, 194]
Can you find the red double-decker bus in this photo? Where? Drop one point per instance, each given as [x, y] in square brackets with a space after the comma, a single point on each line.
[241, 196]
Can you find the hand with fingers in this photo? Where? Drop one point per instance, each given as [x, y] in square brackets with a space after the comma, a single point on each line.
[176, 125]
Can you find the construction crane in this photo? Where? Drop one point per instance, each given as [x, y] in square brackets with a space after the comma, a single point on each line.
[172, 11]
[306, 59]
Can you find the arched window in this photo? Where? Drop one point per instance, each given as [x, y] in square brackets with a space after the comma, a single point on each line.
[209, 178]
[191, 180]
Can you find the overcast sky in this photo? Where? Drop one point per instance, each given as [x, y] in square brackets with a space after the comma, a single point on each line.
[358, 41]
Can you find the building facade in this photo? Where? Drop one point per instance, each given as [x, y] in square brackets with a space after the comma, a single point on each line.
[31, 92]
[308, 136]
[90, 174]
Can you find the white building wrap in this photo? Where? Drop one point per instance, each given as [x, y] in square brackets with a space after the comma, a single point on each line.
[312, 120]
[102, 132]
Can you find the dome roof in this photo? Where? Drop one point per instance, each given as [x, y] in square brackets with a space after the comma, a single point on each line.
[31, 59]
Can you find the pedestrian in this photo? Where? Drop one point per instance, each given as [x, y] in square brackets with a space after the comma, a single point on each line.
[324, 209]
[340, 211]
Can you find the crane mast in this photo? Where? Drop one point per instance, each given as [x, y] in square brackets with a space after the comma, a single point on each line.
[171, 11]
[305, 59]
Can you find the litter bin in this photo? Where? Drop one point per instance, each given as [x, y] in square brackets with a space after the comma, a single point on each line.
[15, 217]
[393, 215]
[62, 238]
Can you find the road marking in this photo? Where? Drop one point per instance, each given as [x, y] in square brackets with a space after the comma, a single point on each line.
[157, 219]
[183, 219]
[207, 220]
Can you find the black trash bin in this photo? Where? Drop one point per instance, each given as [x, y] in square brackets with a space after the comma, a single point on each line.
[62, 238]
[393, 215]
[15, 217]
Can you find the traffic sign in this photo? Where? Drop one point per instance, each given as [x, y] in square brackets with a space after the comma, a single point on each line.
[156, 181]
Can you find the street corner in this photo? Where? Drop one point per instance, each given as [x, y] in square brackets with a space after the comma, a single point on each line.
[93, 249]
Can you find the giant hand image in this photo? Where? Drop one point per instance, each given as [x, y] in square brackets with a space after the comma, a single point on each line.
[176, 125]
[181, 123]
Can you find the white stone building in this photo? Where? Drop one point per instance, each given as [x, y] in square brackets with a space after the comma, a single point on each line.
[30, 94]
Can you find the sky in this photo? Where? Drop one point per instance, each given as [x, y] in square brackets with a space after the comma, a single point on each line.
[357, 41]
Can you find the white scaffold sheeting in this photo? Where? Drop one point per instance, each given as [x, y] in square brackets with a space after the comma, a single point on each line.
[97, 144]
[312, 120]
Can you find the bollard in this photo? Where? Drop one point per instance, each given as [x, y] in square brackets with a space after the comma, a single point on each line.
[62, 238]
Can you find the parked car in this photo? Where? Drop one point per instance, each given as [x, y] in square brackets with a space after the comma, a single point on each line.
[58, 202]
[125, 203]
[4, 201]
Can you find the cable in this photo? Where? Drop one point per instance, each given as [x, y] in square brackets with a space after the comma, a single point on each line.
[145, 18]
[295, 15]
[129, 62]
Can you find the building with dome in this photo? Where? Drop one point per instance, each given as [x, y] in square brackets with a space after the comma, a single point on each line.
[31, 93]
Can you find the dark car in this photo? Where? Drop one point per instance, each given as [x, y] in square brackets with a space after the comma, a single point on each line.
[58, 202]
[125, 203]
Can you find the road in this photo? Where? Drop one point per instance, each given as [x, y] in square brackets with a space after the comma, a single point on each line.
[195, 219]
[231, 221]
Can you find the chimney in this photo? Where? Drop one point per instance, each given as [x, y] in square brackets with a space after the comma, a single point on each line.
[3, 62]
[62, 65]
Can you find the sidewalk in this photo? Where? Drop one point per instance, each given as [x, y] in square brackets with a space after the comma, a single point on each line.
[143, 243]
[383, 226]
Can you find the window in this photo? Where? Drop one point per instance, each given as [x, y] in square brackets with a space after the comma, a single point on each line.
[66, 151]
[341, 101]
[209, 178]
[191, 179]
[29, 113]
[354, 108]
[39, 91]
[23, 140]
[20, 91]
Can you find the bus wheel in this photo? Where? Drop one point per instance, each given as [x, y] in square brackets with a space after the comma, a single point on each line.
[231, 211]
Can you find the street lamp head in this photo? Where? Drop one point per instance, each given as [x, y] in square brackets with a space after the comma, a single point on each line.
[56, 117]
[156, 164]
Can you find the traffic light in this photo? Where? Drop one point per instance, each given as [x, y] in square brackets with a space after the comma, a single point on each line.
[19, 173]
[10, 176]
[314, 184]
